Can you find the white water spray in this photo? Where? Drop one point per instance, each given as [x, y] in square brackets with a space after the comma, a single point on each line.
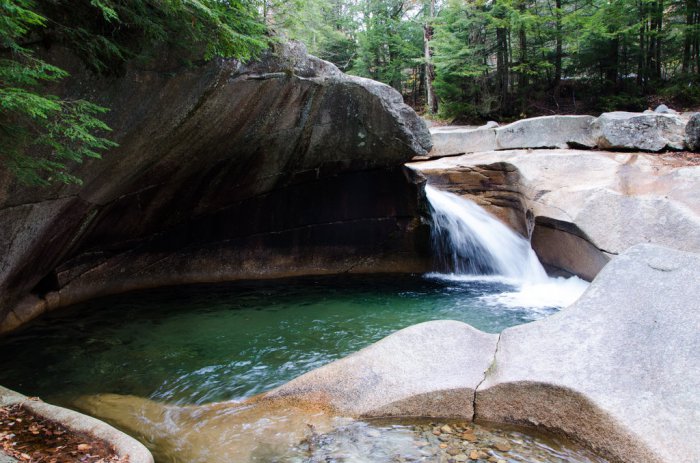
[470, 243]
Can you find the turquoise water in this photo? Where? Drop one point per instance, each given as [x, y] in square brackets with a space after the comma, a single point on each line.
[197, 344]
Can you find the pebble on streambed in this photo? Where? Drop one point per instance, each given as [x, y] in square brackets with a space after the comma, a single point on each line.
[360, 442]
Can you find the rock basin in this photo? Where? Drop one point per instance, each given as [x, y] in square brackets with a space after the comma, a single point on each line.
[617, 371]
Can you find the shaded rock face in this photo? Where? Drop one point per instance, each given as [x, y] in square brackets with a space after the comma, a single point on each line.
[692, 132]
[579, 207]
[223, 171]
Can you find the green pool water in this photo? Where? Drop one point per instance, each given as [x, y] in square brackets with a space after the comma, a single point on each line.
[197, 344]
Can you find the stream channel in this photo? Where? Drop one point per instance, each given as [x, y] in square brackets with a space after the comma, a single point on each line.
[228, 342]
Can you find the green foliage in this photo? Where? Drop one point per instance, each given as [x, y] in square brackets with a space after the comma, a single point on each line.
[41, 135]
[40, 132]
[327, 27]
[390, 42]
[105, 32]
[499, 57]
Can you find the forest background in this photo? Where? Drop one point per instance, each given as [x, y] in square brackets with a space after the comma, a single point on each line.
[463, 61]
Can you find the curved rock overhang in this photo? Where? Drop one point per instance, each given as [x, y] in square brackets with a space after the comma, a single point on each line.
[280, 167]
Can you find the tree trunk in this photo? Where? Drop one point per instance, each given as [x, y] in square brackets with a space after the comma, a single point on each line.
[559, 45]
[502, 64]
[641, 61]
[431, 98]
[612, 65]
[659, 35]
[688, 35]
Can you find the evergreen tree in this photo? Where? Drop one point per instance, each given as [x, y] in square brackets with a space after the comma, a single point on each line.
[40, 133]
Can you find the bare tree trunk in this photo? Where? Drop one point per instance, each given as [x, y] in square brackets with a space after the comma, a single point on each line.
[641, 62]
[431, 98]
[523, 78]
[659, 35]
[502, 64]
[687, 39]
[559, 51]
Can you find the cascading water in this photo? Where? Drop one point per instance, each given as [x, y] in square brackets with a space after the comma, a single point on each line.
[470, 243]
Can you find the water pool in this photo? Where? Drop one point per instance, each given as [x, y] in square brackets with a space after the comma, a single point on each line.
[203, 343]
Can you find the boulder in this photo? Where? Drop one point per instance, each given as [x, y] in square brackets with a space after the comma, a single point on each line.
[451, 141]
[692, 132]
[663, 109]
[538, 132]
[225, 170]
[639, 131]
[425, 370]
[618, 370]
[547, 132]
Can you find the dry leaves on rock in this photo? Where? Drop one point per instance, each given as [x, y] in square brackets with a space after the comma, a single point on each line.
[34, 439]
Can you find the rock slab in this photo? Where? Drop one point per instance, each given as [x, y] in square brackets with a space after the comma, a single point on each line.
[586, 205]
[124, 445]
[427, 370]
[618, 370]
[547, 132]
[224, 170]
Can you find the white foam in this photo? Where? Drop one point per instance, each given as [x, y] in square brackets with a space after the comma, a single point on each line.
[470, 241]
[553, 293]
[478, 247]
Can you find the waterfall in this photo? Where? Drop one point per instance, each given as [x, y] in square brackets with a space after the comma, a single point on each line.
[469, 241]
